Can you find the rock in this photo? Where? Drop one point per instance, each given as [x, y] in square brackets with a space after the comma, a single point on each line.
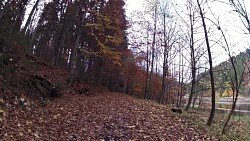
[46, 88]
[177, 110]
[83, 90]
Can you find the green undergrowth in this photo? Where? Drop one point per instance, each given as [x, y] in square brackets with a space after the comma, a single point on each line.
[241, 118]
[239, 125]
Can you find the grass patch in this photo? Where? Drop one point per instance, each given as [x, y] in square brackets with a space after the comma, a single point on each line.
[239, 130]
[241, 118]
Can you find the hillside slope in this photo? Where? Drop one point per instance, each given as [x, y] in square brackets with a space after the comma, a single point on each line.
[95, 114]
[224, 74]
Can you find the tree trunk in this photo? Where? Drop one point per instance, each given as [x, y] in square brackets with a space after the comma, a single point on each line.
[182, 80]
[165, 68]
[147, 70]
[192, 88]
[235, 85]
[200, 100]
[211, 117]
[88, 73]
[73, 59]
[99, 72]
[28, 22]
[193, 61]
[194, 101]
[1, 8]
[153, 56]
[130, 84]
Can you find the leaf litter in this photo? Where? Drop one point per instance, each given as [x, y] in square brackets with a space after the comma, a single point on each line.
[102, 115]
[106, 116]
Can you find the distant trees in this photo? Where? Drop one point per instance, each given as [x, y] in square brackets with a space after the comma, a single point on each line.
[169, 39]
[157, 48]
[154, 6]
[193, 61]
[163, 38]
[11, 17]
[30, 16]
[86, 37]
[193, 48]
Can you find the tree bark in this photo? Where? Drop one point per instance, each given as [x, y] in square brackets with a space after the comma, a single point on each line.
[193, 61]
[211, 117]
[164, 75]
[30, 16]
[153, 55]
[73, 59]
[147, 70]
[235, 85]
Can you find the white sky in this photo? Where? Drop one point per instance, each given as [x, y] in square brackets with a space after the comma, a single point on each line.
[230, 22]
[132, 5]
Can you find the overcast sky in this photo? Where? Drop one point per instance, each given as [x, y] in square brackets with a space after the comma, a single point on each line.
[229, 20]
[230, 23]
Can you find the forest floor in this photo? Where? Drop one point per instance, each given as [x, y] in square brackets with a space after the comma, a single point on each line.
[98, 114]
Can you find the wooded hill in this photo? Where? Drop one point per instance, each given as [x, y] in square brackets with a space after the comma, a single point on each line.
[223, 74]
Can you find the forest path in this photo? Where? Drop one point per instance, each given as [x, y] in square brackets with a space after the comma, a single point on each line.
[99, 115]
[103, 116]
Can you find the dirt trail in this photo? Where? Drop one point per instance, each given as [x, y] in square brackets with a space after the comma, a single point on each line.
[105, 116]
[100, 115]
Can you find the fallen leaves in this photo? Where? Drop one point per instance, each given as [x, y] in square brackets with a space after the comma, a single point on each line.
[29, 130]
[102, 116]
[2, 112]
[36, 135]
